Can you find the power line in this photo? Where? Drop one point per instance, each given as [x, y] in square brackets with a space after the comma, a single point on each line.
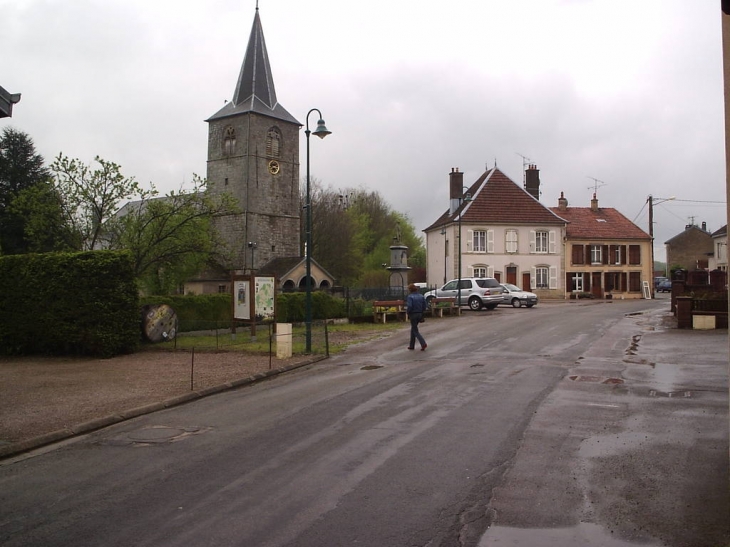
[701, 201]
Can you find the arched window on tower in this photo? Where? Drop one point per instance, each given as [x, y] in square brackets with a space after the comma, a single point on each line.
[229, 141]
[273, 143]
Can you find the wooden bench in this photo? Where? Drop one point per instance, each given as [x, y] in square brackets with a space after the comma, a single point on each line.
[383, 308]
[439, 305]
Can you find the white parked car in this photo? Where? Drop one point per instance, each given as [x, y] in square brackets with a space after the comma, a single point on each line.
[517, 297]
[476, 292]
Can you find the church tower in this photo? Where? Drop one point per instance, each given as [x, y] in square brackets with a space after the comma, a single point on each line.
[253, 154]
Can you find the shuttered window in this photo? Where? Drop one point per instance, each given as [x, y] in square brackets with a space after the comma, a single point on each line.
[510, 241]
[635, 281]
[634, 255]
[577, 254]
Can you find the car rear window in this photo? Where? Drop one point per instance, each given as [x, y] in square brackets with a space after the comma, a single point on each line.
[488, 283]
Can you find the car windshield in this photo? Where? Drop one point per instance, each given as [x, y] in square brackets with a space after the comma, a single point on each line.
[511, 287]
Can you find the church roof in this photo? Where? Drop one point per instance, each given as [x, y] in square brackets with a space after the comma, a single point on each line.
[255, 87]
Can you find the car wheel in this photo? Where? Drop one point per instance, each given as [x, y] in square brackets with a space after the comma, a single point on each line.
[516, 303]
[491, 306]
[475, 303]
[428, 301]
[529, 305]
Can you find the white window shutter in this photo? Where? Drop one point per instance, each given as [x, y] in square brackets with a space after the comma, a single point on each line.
[490, 271]
[490, 241]
[470, 271]
[469, 240]
[533, 273]
[551, 244]
[533, 241]
[553, 276]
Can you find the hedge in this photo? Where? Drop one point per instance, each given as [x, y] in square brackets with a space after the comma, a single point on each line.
[68, 303]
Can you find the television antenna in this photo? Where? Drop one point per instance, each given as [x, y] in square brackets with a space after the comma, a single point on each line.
[525, 162]
[597, 183]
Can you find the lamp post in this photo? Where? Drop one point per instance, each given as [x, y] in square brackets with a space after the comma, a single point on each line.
[252, 245]
[443, 233]
[464, 197]
[654, 201]
[321, 132]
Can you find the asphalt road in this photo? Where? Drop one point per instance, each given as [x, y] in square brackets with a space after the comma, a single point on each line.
[564, 424]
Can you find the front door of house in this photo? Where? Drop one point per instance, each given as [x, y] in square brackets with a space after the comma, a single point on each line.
[596, 287]
[512, 274]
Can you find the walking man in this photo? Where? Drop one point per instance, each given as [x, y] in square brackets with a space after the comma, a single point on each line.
[415, 306]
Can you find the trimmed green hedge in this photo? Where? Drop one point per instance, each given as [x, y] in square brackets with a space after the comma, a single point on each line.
[197, 311]
[68, 303]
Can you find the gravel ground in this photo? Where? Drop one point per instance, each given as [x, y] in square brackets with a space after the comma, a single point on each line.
[40, 395]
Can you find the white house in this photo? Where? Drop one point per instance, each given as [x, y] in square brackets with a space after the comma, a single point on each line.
[505, 233]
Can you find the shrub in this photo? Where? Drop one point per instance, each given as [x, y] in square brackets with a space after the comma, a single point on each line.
[68, 303]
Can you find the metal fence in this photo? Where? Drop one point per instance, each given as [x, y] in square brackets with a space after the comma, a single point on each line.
[258, 338]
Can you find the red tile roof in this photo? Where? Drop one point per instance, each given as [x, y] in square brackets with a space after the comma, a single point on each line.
[496, 199]
[601, 224]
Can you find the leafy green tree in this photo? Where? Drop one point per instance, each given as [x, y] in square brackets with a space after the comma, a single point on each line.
[171, 238]
[352, 231]
[91, 196]
[21, 169]
[43, 223]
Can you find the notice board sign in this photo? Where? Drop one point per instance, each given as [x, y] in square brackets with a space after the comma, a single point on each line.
[264, 297]
[254, 297]
[242, 299]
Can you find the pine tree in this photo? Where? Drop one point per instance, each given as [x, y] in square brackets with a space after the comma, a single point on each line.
[21, 169]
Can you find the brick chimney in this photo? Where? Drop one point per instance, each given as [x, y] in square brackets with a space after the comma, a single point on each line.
[562, 202]
[456, 185]
[594, 203]
[532, 181]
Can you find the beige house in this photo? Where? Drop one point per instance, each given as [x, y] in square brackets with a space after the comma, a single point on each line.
[497, 229]
[605, 253]
[690, 249]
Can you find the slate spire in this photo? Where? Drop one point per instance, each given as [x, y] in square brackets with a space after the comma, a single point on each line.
[255, 90]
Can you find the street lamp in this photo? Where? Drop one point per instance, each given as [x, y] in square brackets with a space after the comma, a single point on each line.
[252, 245]
[443, 233]
[462, 199]
[321, 132]
[654, 201]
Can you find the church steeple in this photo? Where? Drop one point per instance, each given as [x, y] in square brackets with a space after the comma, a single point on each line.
[255, 90]
[253, 155]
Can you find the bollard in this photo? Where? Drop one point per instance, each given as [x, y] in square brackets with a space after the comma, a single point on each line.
[283, 340]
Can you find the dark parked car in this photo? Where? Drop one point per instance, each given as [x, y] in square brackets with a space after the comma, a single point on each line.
[664, 286]
[658, 280]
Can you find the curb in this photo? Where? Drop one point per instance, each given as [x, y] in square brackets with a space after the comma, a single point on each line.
[14, 449]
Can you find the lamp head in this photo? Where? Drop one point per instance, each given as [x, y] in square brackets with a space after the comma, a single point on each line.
[321, 130]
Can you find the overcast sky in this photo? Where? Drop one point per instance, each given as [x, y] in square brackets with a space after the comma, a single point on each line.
[619, 96]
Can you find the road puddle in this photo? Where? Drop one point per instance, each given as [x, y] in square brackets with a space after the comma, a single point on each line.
[577, 536]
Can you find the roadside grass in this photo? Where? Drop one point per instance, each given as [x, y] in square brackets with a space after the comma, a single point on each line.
[340, 336]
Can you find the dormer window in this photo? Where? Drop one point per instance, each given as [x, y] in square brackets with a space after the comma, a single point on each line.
[229, 141]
